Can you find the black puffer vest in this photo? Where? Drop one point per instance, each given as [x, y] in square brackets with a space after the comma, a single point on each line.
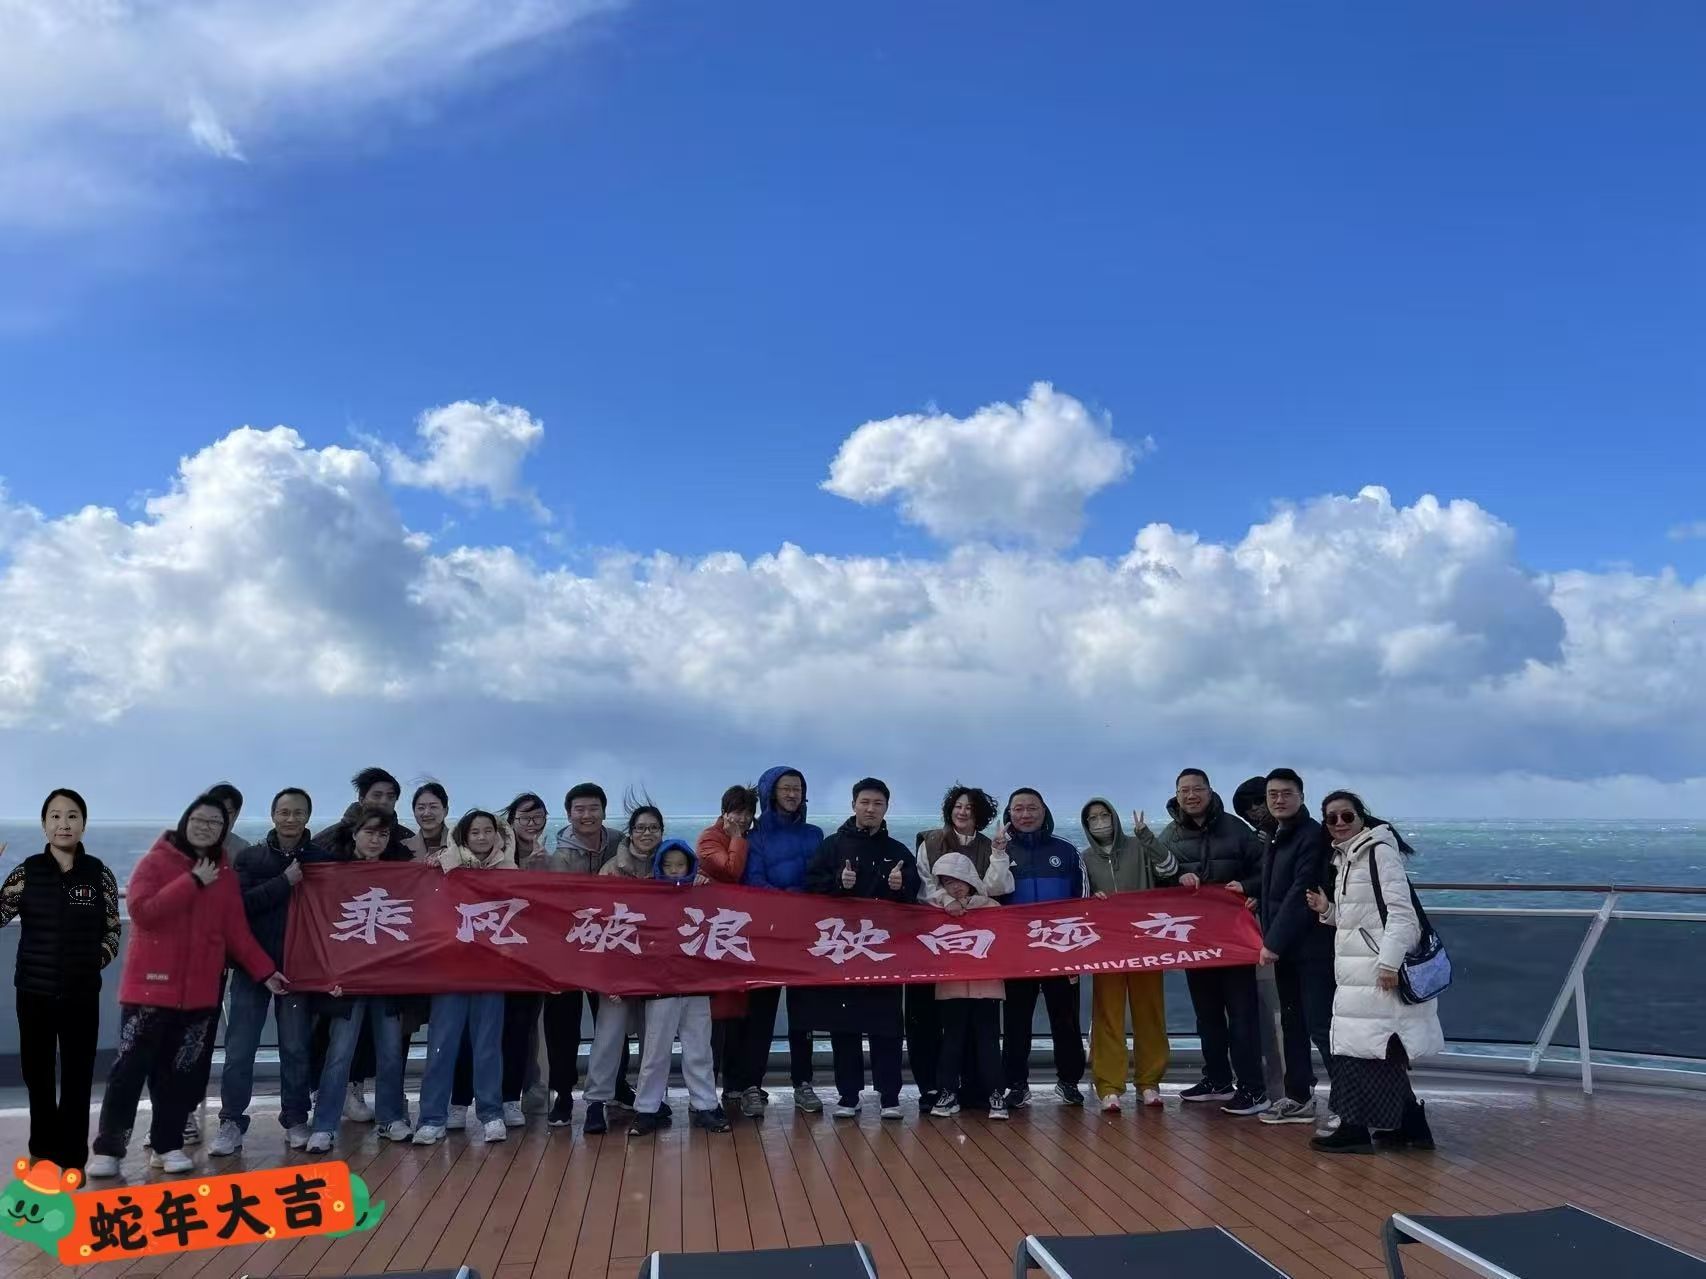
[63, 923]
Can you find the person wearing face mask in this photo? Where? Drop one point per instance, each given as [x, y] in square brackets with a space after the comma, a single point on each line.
[268, 872]
[618, 1017]
[1375, 1034]
[862, 860]
[1218, 852]
[966, 814]
[66, 904]
[779, 848]
[186, 915]
[1115, 862]
[481, 841]
[1301, 952]
[1045, 869]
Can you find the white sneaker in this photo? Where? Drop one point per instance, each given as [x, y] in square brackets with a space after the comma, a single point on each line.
[227, 1141]
[1111, 1104]
[172, 1161]
[891, 1112]
[297, 1138]
[192, 1127]
[1328, 1125]
[456, 1119]
[495, 1130]
[844, 1111]
[319, 1143]
[101, 1166]
[356, 1109]
[428, 1135]
[513, 1118]
[1152, 1096]
[397, 1130]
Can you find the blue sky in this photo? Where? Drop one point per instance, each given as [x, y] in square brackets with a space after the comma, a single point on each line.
[1446, 249]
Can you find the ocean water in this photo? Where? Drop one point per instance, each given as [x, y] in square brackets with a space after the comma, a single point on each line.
[1480, 852]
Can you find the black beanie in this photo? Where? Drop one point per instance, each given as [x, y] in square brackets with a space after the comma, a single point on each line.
[1254, 791]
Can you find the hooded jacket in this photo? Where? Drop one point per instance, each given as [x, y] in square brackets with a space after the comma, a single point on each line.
[569, 857]
[1365, 1017]
[1045, 867]
[181, 932]
[266, 892]
[1217, 847]
[995, 868]
[675, 845]
[959, 866]
[1129, 863]
[781, 845]
[1299, 858]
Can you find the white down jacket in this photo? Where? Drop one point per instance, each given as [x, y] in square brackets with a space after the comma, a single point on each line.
[1364, 1016]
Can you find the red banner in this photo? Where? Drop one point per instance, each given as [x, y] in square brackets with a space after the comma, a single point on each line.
[411, 929]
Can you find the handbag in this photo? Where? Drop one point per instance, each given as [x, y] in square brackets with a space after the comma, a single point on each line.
[1426, 971]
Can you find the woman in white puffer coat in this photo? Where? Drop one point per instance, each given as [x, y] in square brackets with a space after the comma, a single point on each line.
[1375, 1035]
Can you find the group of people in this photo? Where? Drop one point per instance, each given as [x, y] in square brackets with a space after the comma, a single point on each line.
[208, 917]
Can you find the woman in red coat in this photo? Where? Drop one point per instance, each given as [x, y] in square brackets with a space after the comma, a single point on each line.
[186, 916]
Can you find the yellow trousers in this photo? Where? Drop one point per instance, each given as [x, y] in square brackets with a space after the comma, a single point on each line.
[1111, 993]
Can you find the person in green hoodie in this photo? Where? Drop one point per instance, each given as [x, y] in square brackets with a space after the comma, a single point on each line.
[1115, 862]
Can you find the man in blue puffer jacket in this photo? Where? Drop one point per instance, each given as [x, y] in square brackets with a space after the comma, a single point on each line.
[1045, 869]
[778, 850]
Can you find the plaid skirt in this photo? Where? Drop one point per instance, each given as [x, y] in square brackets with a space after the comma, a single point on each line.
[1372, 1094]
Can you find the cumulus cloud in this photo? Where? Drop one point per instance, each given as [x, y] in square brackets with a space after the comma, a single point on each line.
[1689, 531]
[471, 450]
[108, 101]
[1020, 471]
[272, 613]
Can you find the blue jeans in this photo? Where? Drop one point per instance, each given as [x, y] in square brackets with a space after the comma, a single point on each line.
[244, 1019]
[389, 1104]
[482, 1016]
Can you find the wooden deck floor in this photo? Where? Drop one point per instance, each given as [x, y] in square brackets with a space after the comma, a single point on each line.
[949, 1199]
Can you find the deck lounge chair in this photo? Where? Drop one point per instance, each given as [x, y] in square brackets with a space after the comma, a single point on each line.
[1206, 1252]
[1559, 1243]
[831, 1261]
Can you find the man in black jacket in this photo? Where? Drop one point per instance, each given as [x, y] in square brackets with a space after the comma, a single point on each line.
[861, 860]
[267, 872]
[1217, 852]
[1295, 942]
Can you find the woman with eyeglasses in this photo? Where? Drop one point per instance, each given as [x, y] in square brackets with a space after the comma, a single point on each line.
[526, 815]
[1375, 1035]
[186, 916]
[618, 1017]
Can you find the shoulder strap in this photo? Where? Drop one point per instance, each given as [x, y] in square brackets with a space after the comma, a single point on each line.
[1374, 878]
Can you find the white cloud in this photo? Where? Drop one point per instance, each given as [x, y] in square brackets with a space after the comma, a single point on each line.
[271, 615]
[1689, 531]
[1019, 471]
[471, 449]
[108, 102]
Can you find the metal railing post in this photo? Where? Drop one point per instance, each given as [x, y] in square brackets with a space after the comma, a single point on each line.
[1582, 1033]
[1574, 989]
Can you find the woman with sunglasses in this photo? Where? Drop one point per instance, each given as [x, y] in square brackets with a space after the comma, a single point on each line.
[1375, 1035]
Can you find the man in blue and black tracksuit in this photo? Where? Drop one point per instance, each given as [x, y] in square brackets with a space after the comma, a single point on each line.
[1045, 870]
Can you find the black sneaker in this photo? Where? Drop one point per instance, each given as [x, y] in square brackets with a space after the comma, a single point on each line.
[1243, 1103]
[927, 1099]
[1071, 1094]
[645, 1125]
[665, 1113]
[562, 1111]
[1206, 1091]
[624, 1095]
[1348, 1139]
[732, 1097]
[594, 1124]
[1018, 1098]
[711, 1120]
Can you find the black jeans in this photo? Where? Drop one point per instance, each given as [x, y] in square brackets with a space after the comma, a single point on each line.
[924, 1036]
[982, 1017]
[50, 1025]
[1061, 997]
[849, 1055]
[160, 1047]
[1306, 987]
[1228, 1023]
[761, 1007]
[204, 1071]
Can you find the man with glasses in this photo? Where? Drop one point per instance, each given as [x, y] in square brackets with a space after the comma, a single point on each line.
[1217, 852]
[1295, 942]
